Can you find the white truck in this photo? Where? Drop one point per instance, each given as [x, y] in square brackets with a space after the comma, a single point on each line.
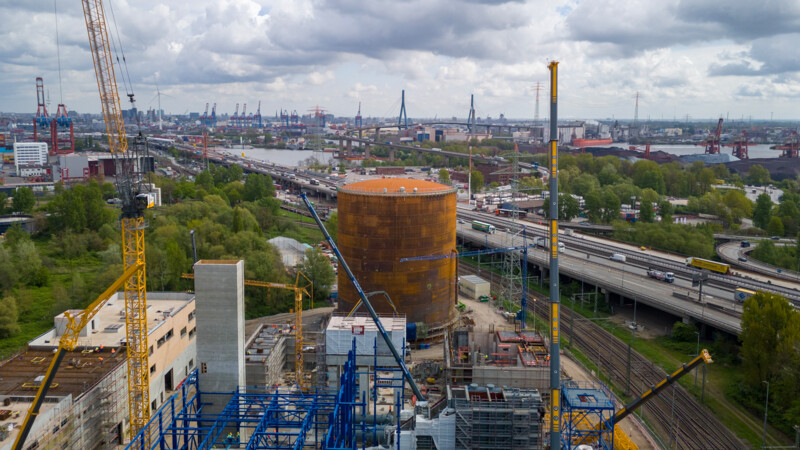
[545, 243]
[669, 277]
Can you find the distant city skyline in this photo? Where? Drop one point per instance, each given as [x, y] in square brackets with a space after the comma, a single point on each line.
[739, 59]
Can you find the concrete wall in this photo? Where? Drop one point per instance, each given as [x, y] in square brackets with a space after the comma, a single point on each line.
[177, 354]
[219, 297]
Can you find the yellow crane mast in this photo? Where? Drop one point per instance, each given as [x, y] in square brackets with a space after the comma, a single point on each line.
[134, 202]
[307, 289]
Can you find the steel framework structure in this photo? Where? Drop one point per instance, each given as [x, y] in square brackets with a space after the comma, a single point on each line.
[588, 413]
[257, 418]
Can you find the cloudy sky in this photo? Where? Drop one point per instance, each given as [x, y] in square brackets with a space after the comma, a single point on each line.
[739, 58]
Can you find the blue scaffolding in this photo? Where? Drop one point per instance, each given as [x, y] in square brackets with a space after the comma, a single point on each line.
[588, 415]
[259, 418]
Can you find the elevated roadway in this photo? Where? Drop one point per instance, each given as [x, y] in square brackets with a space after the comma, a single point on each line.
[730, 252]
[630, 282]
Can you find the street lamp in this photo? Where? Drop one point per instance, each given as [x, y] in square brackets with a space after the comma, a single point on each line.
[698, 354]
[766, 409]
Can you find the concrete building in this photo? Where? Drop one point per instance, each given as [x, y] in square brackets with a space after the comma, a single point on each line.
[87, 405]
[219, 289]
[30, 156]
[473, 287]
[265, 354]
[339, 335]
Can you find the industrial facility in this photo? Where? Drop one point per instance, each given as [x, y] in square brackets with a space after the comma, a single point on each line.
[384, 220]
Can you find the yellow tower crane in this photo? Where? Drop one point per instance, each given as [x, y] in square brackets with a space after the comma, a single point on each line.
[134, 202]
[299, 290]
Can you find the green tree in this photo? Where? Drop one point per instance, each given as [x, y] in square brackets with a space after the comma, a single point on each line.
[3, 202]
[476, 179]
[611, 207]
[649, 195]
[665, 210]
[444, 176]
[235, 173]
[8, 273]
[77, 290]
[61, 300]
[758, 175]
[28, 261]
[775, 227]
[318, 268]
[8, 317]
[770, 334]
[332, 225]
[237, 225]
[568, 207]
[23, 200]
[583, 184]
[594, 206]
[205, 180]
[763, 211]
[646, 212]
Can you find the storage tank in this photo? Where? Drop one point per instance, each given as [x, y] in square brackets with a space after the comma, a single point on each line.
[384, 220]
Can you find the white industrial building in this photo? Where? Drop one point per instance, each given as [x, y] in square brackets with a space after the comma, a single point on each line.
[30, 158]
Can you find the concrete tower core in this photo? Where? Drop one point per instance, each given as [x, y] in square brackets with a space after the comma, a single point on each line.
[219, 298]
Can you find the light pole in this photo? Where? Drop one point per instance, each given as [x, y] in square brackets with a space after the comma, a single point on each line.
[766, 410]
[194, 246]
[697, 353]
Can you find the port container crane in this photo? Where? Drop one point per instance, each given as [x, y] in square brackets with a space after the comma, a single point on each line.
[712, 142]
[740, 146]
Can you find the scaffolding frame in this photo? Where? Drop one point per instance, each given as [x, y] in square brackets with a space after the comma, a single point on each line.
[585, 406]
[259, 418]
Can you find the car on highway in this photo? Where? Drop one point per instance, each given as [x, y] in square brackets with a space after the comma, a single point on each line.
[742, 259]
[775, 238]
[460, 220]
[642, 248]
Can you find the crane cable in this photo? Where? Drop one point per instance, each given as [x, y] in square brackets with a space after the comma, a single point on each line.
[126, 76]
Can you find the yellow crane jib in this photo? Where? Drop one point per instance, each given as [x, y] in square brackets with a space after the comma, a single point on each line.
[68, 342]
[299, 290]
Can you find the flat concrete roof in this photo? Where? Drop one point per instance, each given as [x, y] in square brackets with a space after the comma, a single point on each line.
[389, 323]
[218, 261]
[110, 320]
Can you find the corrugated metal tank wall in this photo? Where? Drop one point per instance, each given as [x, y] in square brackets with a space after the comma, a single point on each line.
[377, 229]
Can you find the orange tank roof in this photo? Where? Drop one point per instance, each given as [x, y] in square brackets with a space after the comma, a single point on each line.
[393, 185]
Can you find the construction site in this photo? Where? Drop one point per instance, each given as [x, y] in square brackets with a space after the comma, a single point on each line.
[409, 356]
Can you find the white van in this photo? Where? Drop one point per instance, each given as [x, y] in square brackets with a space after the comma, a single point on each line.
[617, 257]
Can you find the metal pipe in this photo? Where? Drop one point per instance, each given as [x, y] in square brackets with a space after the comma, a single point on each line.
[555, 360]
[365, 300]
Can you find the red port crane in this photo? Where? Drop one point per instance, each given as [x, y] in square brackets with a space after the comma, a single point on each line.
[646, 150]
[740, 146]
[712, 143]
[791, 148]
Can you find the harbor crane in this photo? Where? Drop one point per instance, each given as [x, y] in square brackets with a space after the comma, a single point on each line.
[712, 142]
[298, 289]
[740, 146]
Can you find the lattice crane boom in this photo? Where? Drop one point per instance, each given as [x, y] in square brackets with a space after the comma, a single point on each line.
[134, 202]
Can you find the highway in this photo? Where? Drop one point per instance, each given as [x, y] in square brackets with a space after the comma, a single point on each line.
[730, 252]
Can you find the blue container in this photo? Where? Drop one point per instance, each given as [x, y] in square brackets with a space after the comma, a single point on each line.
[411, 332]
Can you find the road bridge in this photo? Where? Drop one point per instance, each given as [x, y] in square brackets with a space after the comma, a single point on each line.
[730, 252]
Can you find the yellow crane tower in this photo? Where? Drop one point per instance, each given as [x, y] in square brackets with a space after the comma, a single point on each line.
[134, 202]
[307, 289]
[133, 281]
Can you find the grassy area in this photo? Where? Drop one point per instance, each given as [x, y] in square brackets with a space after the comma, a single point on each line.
[302, 233]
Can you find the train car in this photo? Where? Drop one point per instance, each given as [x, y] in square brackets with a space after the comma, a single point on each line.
[485, 227]
[510, 212]
[708, 265]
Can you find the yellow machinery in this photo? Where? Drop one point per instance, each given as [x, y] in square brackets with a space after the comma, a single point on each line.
[134, 202]
[68, 342]
[307, 289]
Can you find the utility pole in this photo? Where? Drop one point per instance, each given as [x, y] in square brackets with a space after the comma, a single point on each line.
[766, 410]
[555, 330]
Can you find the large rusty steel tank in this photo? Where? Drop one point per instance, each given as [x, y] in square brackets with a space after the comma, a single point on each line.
[384, 220]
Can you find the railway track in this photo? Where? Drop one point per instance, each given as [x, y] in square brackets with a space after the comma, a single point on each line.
[678, 418]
